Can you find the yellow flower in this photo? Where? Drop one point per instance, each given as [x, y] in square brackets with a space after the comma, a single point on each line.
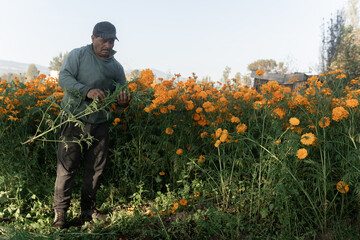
[202, 158]
[183, 202]
[302, 153]
[179, 151]
[308, 139]
[342, 187]
[217, 143]
[294, 121]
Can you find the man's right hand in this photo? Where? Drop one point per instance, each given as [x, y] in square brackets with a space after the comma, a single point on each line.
[93, 93]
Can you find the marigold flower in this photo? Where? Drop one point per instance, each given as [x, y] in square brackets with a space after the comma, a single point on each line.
[163, 110]
[183, 202]
[352, 103]
[224, 135]
[308, 139]
[278, 141]
[302, 153]
[203, 134]
[161, 173]
[324, 122]
[218, 132]
[294, 121]
[116, 121]
[342, 187]
[202, 158]
[197, 194]
[279, 113]
[171, 107]
[339, 113]
[235, 119]
[259, 72]
[179, 151]
[217, 143]
[132, 86]
[241, 128]
[169, 131]
[198, 110]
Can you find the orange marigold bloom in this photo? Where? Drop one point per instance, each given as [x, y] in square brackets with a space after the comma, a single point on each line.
[202, 158]
[278, 141]
[339, 113]
[308, 139]
[218, 132]
[352, 103]
[189, 105]
[217, 143]
[224, 135]
[259, 72]
[203, 134]
[116, 121]
[171, 107]
[161, 173]
[197, 194]
[183, 202]
[163, 110]
[294, 121]
[179, 151]
[235, 119]
[302, 153]
[199, 110]
[342, 187]
[169, 131]
[241, 128]
[324, 122]
[132, 86]
[279, 113]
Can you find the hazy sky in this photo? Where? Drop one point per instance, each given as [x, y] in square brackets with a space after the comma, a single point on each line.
[177, 36]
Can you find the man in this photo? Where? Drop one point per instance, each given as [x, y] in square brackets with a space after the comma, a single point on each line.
[88, 72]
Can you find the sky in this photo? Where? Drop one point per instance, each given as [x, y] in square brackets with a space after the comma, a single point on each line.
[173, 36]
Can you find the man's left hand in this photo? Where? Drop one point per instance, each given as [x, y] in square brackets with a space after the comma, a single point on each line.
[123, 99]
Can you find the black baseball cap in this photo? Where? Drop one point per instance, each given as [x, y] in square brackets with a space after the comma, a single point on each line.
[105, 30]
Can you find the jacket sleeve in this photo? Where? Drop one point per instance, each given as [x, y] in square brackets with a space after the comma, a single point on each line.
[68, 76]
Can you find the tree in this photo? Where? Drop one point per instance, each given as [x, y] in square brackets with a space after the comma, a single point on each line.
[57, 62]
[331, 40]
[268, 65]
[226, 74]
[32, 72]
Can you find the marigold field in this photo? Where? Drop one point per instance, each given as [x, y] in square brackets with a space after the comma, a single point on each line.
[192, 160]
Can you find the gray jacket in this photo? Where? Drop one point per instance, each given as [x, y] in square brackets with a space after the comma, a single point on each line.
[83, 70]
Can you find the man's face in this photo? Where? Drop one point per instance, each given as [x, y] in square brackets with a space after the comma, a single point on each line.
[102, 47]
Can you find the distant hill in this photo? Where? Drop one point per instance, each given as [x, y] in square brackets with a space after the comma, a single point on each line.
[17, 67]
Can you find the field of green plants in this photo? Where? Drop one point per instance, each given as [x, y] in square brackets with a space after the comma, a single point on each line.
[189, 160]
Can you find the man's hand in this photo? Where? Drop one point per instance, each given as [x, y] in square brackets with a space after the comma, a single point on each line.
[123, 99]
[93, 93]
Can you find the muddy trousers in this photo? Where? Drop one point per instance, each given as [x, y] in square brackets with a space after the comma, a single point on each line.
[69, 157]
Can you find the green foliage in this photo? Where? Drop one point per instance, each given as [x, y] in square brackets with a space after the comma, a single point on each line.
[57, 62]
[268, 65]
